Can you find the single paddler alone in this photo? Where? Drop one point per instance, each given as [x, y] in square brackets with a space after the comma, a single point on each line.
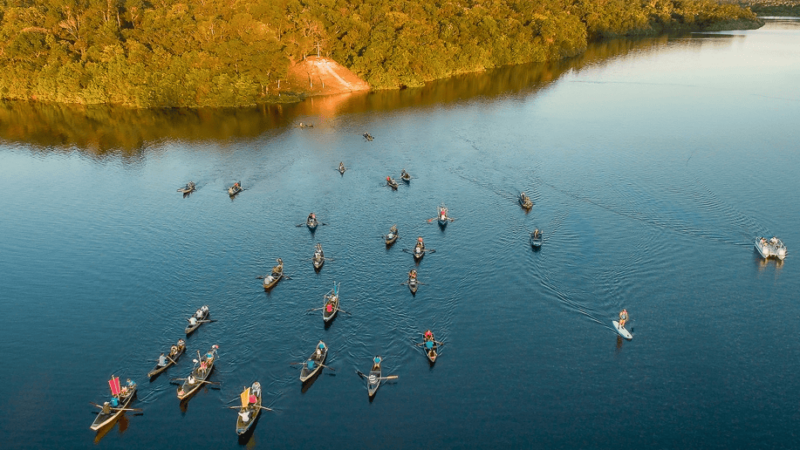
[623, 317]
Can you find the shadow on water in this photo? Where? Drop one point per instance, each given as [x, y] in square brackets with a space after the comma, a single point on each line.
[123, 422]
[310, 382]
[99, 130]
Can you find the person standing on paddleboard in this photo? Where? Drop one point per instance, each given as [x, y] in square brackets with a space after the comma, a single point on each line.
[623, 317]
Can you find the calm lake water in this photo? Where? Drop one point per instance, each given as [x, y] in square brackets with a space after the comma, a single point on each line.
[653, 164]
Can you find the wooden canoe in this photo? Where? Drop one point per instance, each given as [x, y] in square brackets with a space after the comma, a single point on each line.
[312, 364]
[391, 183]
[235, 189]
[433, 352]
[319, 257]
[331, 298]
[374, 379]
[405, 176]
[442, 217]
[413, 284]
[342, 168]
[199, 374]
[190, 328]
[158, 369]
[419, 251]
[188, 189]
[251, 411]
[392, 236]
[312, 223]
[525, 201]
[536, 238]
[274, 277]
[104, 419]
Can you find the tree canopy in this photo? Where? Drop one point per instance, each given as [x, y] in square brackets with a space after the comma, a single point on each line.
[192, 53]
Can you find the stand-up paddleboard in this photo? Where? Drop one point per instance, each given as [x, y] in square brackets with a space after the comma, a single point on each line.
[622, 331]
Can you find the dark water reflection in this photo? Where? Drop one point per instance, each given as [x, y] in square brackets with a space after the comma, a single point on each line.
[652, 165]
[100, 129]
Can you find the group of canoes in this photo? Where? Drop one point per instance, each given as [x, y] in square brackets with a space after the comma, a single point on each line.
[392, 183]
[122, 396]
[191, 187]
[536, 235]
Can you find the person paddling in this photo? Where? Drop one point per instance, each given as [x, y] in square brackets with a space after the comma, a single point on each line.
[376, 363]
[623, 317]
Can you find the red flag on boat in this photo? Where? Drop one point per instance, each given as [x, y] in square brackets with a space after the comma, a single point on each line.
[113, 383]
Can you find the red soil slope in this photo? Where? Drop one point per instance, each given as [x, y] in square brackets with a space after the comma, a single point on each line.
[322, 76]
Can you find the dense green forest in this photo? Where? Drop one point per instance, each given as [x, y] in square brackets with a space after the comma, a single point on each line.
[781, 8]
[170, 53]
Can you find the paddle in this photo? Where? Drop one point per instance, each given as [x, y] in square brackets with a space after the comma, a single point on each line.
[117, 409]
[392, 377]
[327, 367]
[360, 374]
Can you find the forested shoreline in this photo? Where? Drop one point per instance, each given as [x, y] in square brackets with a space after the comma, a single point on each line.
[201, 53]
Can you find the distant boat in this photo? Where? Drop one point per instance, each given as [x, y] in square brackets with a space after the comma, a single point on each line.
[311, 222]
[772, 247]
[413, 284]
[442, 216]
[536, 238]
[235, 189]
[525, 201]
[392, 236]
[188, 189]
[405, 176]
[319, 257]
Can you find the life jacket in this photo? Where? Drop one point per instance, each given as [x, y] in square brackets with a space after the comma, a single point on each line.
[329, 308]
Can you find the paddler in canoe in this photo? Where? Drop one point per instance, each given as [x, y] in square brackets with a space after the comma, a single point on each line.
[121, 397]
[431, 346]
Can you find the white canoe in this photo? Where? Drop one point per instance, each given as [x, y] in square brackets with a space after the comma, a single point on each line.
[622, 331]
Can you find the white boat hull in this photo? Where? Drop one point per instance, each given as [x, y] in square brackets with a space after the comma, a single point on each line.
[622, 331]
[767, 248]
